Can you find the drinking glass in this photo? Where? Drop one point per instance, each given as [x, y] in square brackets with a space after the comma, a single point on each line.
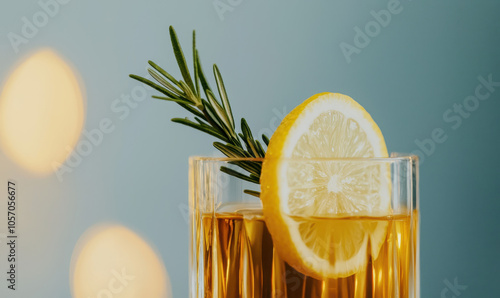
[232, 253]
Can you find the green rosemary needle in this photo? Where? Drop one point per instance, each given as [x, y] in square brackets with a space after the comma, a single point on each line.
[211, 116]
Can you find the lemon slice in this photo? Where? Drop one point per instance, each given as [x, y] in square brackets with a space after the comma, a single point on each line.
[316, 207]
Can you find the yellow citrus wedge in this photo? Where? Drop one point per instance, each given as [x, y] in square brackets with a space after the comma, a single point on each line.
[310, 200]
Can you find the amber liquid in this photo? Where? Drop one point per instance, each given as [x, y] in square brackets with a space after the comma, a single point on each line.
[239, 260]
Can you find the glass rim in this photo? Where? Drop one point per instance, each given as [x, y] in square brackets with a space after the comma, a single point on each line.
[395, 156]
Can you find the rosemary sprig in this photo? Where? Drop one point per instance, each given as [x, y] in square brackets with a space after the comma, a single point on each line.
[211, 116]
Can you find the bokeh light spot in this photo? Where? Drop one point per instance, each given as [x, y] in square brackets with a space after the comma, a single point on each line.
[113, 261]
[41, 112]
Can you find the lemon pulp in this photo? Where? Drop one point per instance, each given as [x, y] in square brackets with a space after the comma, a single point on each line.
[312, 170]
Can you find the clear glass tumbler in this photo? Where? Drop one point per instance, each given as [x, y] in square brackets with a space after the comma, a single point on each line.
[232, 250]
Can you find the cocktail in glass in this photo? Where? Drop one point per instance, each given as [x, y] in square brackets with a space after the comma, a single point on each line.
[233, 253]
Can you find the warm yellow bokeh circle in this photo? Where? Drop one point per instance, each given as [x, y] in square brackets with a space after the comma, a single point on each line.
[41, 112]
[113, 261]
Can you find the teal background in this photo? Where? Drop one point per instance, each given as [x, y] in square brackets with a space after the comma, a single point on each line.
[273, 55]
